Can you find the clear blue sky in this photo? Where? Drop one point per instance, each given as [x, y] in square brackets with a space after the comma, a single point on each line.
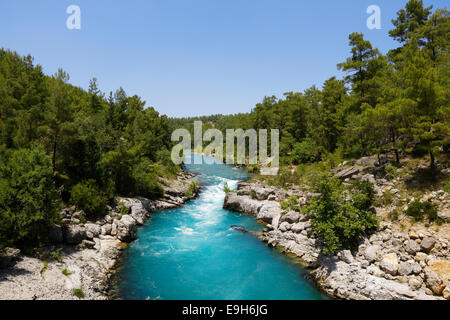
[195, 57]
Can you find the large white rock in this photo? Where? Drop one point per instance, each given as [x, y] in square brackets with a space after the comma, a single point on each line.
[242, 204]
[389, 263]
[371, 253]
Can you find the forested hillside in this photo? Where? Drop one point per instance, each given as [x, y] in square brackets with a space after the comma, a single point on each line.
[61, 145]
[398, 102]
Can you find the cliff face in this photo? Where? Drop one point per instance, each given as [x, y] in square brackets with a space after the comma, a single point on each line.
[392, 264]
[82, 256]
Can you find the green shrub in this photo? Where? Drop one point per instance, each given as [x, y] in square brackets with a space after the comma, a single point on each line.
[391, 171]
[340, 223]
[284, 205]
[56, 255]
[253, 194]
[146, 181]
[164, 158]
[89, 198]
[78, 292]
[291, 204]
[28, 197]
[44, 268]
[253, 169]
[386, 199]
[363, 194]
[194, 187]
[447, 187]
[66, 272]
[419, 210]
[305, 152]
[226, 188]
[393, 215]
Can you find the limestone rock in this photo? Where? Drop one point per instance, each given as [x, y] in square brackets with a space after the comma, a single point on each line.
[412, 247]
[446, 292]
[285, 226]
[301, 226]
[74, 234]
[444, 214]
[92, 230]
[433, 282]
[126, 228]
[347, 173]
[407, 268]
[242, 204]
[56, 234]
[8, 256]
[389, 263]
[415, 283]
[291, 217]
[269, 211]
[427, 244]
[346, 256]
[371, 253]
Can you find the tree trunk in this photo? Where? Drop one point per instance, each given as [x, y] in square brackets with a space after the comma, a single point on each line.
[397, 156]
[432, 164]
[54, 152]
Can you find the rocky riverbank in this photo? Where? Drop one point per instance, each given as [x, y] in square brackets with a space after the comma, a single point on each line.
[81, 259]
[397, 262]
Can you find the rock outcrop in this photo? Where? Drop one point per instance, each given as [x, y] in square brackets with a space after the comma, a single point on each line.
[390, 264]
[88, 251]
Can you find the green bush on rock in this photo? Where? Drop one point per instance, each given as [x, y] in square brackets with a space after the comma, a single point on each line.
[418, 210]
[89, 198]
[340, 223]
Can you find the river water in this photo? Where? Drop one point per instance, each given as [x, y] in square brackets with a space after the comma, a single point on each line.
[190, 253]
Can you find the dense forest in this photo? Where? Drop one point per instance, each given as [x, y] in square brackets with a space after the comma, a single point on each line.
[398, 102]
[61, 145]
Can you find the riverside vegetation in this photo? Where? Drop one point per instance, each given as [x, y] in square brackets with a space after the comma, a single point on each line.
[368, 151]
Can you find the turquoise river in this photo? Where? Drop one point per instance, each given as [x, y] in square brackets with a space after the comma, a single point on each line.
[190, 253]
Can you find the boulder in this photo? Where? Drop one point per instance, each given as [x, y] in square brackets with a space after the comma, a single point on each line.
[446, 292]
[92, 230]
[262, 193]
[346, 256]
[375, 271]
[434, 282]
[285, 226]
[411, 246]
[444, 214]
[106, 229]
[389, 263]
[137, 207]
[415, 283]
[242, 204]
[291, 217]
[74, 234]
[427, 244]
[8, 256]
[371, 253]
[367, 161]
[420, 257]
[269, 211]
[407, 268]
[56, 234]
[347, 173]
[126, 228]
[300, 226]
